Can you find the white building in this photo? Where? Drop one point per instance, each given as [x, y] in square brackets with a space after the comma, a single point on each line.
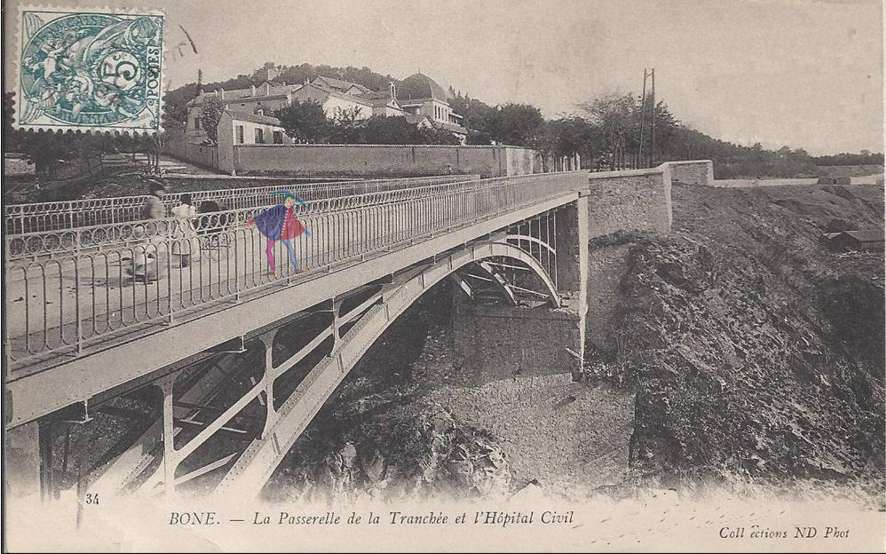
[420, 95]
[418, 98]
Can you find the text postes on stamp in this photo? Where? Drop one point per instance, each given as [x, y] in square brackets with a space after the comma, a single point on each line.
[89, 70]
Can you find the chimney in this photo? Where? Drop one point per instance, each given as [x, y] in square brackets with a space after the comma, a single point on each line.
[393, 90]
[221, 92]
[253, 90]
[267, 89]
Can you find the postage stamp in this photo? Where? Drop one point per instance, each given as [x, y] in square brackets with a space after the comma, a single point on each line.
[89, 70]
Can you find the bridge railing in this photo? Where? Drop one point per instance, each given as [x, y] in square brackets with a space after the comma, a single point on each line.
[65, 304]
[33, 246]
[51, 216]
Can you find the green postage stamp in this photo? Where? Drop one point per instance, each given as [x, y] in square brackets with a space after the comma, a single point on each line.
[89, 70]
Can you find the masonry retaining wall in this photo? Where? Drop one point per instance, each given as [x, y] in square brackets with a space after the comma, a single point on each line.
[368, 160]
[632, 200]
[621, 203]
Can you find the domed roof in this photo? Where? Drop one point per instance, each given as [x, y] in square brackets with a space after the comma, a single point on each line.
[419, 86]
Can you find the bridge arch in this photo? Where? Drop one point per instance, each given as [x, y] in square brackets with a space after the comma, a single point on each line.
[261, 457]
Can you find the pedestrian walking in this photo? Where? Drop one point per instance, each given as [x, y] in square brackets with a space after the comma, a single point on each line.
[144, 261]
[185, 245]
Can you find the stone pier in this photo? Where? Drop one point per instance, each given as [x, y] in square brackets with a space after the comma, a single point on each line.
[22, 460]
[499, 342]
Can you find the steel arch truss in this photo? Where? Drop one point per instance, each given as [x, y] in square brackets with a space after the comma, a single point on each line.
[352, 326]
[513, 279]
[538, 237]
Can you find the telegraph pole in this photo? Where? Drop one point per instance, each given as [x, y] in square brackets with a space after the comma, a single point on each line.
[652, 160]
[640, 162]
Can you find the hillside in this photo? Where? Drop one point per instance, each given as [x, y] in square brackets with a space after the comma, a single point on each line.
[755, 351]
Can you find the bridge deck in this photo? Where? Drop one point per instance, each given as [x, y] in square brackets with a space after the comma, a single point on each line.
[79, 330]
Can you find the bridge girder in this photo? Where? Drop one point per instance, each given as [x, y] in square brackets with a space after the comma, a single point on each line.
[284, 425]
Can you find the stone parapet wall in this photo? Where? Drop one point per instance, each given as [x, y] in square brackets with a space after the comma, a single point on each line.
[633, 200]
[694, 172]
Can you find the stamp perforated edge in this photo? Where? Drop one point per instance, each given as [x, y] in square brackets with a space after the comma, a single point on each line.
[14, 63]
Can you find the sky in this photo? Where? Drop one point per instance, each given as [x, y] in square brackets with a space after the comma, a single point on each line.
[801, 73]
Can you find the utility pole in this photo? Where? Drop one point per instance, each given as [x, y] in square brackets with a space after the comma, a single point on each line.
[640, 162]
[652, 160]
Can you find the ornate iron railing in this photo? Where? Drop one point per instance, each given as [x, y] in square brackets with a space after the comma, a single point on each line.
[33, 246]
[52, 216]
[67, 303]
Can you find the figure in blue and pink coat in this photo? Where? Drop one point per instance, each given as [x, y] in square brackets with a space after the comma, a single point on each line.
[280, 223]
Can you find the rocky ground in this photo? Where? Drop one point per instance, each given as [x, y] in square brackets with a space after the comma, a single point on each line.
[755, 352]
[403, 424]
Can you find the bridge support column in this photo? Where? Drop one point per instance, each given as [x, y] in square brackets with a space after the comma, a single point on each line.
[573, 265]
[503, 342]
[497, 342]
[23, 461]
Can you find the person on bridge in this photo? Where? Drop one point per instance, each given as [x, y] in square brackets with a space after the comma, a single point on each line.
[280, 223]
[186, 245]
[144, 263]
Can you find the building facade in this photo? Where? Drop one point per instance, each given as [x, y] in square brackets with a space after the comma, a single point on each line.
[418, 98]
[419, 95]
[260, 100]
[335, 104]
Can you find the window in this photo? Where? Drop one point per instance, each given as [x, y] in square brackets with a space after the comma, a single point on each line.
[259, 136]
[197, 123]
[278, 137]
[239, 134]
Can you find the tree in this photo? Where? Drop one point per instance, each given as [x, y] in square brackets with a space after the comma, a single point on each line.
[515, 124]
[387, 130]
[614, 116]
[210, 115]
[570, 135]
[478, 118]
[305, 122]
[623, 125]
[436, 136]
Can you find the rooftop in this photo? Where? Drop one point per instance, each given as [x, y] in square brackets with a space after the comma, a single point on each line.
[261, 91]
[338, 84]
[420, 86]
[253, 118]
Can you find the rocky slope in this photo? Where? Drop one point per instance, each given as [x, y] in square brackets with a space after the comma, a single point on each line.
[754, 350]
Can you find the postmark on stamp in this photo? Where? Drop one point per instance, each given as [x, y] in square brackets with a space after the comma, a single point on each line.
[89, 70]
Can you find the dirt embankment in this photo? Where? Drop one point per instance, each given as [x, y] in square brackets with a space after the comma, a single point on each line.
[754, 350]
